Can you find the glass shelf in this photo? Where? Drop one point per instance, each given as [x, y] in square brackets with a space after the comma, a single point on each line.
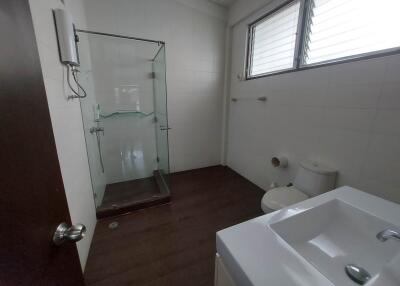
[122, 113]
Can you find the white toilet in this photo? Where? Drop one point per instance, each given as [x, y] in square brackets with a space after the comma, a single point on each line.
[312, 179]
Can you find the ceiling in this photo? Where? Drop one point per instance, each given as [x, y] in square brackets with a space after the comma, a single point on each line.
[225, 3]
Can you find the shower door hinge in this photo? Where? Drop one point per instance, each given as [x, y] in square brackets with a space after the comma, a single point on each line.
[153, 75]
[158, 159]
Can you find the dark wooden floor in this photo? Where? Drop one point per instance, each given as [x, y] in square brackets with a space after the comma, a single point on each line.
[173, 244]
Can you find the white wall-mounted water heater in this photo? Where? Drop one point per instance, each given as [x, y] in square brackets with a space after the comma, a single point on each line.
[68, 48]
[66, 37]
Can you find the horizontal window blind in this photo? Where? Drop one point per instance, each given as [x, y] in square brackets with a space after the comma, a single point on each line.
[274, 41]
[344, 28]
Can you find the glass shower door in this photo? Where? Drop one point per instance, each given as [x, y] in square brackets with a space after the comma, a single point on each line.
[160, 111]
[92, 125]
[125, 120]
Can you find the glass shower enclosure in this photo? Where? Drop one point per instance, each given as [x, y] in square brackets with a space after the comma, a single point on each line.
[125, 120]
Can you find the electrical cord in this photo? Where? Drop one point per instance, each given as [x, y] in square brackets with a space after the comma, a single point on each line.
[74, 71]
[76, 93]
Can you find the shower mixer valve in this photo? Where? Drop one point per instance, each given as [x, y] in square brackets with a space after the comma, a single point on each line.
[96, 130]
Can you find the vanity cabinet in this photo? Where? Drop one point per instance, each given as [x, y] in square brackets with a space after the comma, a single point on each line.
[222, 276]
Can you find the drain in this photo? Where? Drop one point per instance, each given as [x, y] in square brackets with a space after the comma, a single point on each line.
[113, 225]
[357, 273]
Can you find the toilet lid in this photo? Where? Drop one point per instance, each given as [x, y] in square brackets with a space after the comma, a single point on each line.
[278, 198]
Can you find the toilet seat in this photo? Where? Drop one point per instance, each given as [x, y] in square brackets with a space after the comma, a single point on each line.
[278, 198]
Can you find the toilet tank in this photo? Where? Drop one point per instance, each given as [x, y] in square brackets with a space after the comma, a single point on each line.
[314, 179]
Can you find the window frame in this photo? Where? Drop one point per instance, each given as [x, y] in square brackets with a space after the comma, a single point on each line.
[299, 64]
[250, 38]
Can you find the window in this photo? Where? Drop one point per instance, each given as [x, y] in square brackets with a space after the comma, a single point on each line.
[331, 31]
[344, 28]
[273, 41]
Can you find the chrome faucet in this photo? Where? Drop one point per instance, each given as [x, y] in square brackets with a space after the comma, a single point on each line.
[388, 233]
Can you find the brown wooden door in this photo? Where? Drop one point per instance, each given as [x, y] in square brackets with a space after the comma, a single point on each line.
[32, 196]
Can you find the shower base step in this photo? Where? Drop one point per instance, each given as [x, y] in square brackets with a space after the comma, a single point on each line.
[126, 197]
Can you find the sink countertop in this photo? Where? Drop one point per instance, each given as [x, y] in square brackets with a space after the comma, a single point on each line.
[256, 256]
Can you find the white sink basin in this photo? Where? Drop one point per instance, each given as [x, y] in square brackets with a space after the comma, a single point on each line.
[335, 234]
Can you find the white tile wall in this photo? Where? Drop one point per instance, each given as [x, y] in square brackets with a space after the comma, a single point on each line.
[345, 115]
[66, 118]
[194, 32]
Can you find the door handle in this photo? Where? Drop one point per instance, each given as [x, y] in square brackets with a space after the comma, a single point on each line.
[64, 233]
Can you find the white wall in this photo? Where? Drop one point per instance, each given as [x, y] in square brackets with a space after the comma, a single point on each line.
[346, 116]
[194, 32]
[242, 9]
[66, 118]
